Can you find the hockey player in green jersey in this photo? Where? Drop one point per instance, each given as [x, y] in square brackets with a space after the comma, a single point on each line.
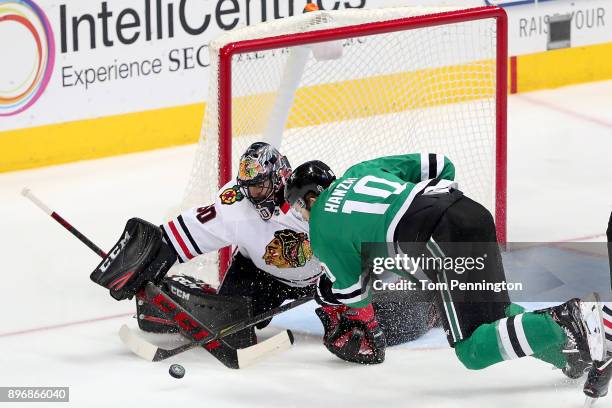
[413, 199]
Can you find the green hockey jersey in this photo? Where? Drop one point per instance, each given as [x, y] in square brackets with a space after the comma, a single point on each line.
[365, 205]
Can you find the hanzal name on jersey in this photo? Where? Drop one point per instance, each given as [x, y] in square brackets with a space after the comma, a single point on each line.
[332, 204]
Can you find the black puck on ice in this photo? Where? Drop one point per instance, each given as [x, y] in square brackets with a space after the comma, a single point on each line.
[177, 371]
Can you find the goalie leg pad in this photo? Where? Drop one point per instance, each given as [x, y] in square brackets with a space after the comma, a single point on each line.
[204, 303]
[139, 256]
[243, 278]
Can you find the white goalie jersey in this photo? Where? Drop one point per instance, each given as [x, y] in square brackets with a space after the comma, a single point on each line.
[279, 246]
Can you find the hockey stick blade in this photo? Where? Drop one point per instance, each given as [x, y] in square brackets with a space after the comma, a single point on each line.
[246, 356]
[151, 352]
[136, 344]
[277, 343]
[589, 402]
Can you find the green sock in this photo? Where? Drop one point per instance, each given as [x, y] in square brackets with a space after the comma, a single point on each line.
[551, 355]
[516, 336]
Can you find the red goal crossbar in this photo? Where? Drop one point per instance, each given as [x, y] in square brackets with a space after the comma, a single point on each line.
[227, 52]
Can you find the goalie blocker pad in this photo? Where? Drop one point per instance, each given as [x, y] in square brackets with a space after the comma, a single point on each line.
[204, 303]
[139, 256]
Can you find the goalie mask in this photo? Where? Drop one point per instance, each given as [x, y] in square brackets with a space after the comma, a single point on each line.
[262, 173]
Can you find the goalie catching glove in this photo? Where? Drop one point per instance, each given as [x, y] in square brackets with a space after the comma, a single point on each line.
[140, 256]
[353, 334]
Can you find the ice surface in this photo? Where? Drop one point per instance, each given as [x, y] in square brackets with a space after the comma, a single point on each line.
[59, 329]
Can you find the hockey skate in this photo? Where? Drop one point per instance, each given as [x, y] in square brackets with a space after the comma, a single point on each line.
[592, 319]
[577, 363]
[583, 325]
[598, 381]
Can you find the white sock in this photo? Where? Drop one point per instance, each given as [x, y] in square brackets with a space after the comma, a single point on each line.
[607, 317]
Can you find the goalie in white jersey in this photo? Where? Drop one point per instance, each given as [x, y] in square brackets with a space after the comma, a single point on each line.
[250, 214]
[272, 261]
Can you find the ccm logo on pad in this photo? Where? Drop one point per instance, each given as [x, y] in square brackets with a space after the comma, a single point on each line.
[114, 252]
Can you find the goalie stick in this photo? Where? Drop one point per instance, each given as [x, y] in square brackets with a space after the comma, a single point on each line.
[202, 335]
[152, 352]
[190, 326]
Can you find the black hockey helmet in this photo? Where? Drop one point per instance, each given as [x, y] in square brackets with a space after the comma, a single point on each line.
[311, 177]
[262, 162]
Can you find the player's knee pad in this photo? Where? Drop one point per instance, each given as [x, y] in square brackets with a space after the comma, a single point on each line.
[139, 256]
[204, 303]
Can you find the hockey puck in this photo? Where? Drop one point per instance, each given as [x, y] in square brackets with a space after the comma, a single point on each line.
[177, 371]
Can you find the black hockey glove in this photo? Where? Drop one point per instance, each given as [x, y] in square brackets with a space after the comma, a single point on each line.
[353, 334]
[139, 256]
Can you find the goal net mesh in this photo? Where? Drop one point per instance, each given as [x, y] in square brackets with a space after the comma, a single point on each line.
[342, 101]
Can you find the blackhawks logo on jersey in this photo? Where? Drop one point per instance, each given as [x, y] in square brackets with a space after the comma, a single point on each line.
[288, 249]
[231, 195]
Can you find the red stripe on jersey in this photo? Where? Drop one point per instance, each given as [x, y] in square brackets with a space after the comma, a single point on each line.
[607, 323]
[285, 207]
[180, 241]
